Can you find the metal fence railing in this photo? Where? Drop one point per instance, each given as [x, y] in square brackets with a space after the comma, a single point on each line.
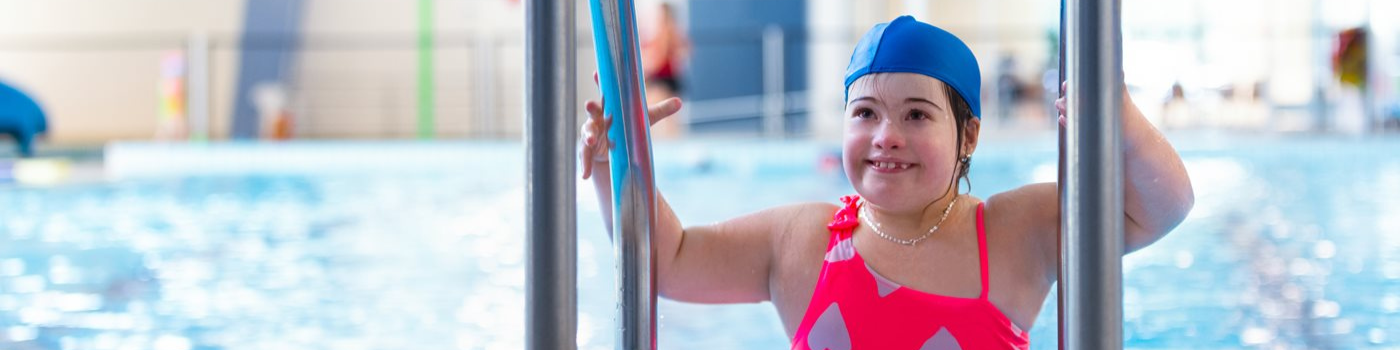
[366, 85]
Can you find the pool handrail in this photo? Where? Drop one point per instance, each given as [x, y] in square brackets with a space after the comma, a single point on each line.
[1091, 191]
[551, 277]
[615, 41]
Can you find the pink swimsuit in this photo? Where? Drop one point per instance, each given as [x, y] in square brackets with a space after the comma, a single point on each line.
[854, 308]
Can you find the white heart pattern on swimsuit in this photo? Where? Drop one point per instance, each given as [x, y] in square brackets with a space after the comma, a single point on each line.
[844, 250]
[829, 331]
[941, 341]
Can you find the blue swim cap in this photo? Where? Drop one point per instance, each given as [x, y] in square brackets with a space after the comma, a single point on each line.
[906, 45]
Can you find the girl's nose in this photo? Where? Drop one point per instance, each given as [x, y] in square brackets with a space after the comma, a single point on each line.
[888, 137]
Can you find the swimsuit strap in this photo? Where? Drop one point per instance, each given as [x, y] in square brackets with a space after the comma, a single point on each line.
[982, 251]
[845, 220]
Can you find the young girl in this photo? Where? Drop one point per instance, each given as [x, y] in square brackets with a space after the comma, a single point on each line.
[908, 262]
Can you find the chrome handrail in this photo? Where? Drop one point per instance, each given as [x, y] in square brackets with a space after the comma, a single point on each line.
[1091, 197]
[551, 277]
[620, 78]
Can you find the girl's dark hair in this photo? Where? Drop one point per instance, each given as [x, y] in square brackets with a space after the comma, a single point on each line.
[961, 115]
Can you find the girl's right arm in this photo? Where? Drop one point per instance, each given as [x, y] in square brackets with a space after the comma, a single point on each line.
[727, 262]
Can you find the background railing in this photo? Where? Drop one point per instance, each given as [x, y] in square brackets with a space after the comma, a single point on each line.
[365, 85]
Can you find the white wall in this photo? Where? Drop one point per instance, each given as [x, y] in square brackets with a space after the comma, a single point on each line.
[94, 65]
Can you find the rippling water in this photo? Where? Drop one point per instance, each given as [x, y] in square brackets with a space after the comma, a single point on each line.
[1291, 245]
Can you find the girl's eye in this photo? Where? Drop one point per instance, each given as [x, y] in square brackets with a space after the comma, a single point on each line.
[918, 115]
[864, 113]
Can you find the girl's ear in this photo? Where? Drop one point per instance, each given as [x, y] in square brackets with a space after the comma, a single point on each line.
[971, 129]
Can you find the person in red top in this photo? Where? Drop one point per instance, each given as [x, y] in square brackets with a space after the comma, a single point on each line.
[664, 51]
[911, 262]
[663, 54]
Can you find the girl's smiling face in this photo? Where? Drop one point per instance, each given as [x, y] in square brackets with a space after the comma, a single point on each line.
[901, 140]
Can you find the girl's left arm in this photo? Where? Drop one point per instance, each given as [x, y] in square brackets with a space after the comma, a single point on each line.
[1157, 191]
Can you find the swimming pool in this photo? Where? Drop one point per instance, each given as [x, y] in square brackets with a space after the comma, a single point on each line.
[1293, 241]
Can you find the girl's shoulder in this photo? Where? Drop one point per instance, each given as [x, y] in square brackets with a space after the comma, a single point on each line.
[1031, 205]
[804, 224]
[810, 217]
[790, 221]
[1028, 216]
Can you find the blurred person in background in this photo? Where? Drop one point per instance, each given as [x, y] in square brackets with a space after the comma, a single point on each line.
[1176, 111]
[1019, 100]
[663, 54]
[1009, 89]
[21, 118]
[274, 111]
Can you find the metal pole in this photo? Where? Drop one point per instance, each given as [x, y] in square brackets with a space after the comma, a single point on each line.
[551, 281]
[773, 90]
[484, 87]
[1061, 179]
[620, 77]
[1091, 249]
[1321, 49]
[197, 61]
[1369, 92]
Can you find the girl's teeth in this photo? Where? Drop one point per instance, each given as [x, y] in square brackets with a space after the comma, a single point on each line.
[889, 165]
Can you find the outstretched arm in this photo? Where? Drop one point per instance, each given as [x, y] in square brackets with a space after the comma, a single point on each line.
[725, 262]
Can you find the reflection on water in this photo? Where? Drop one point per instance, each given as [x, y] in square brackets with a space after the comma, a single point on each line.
[1289, 247]
[262, 262]
[1286, 249]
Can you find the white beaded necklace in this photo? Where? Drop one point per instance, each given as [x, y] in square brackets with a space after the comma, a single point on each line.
[875, 226]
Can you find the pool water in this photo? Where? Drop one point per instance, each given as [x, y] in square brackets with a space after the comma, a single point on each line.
[1293, 243]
